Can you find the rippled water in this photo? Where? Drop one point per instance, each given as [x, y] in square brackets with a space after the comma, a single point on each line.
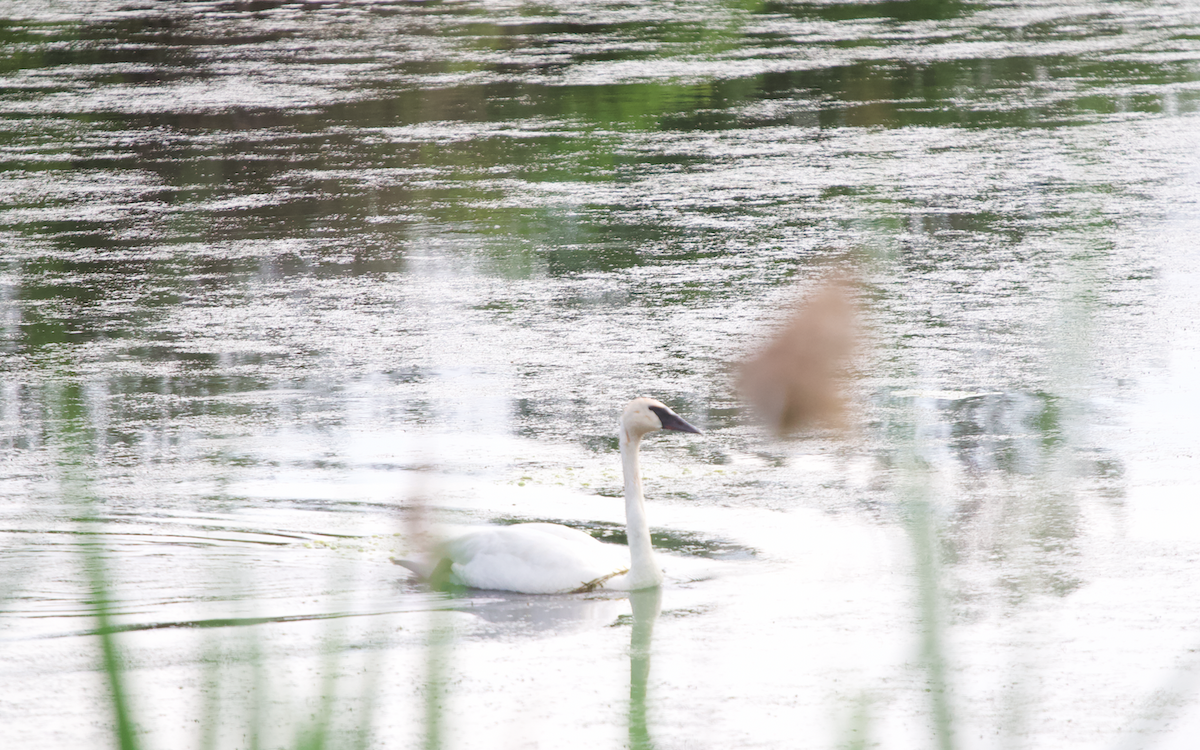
[282, 283]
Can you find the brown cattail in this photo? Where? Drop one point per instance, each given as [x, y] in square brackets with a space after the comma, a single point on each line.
[796, 381]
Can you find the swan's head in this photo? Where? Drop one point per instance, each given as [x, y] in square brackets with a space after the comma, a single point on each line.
[643, 415]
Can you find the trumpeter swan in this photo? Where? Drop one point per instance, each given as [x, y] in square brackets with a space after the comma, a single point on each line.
[547, 558]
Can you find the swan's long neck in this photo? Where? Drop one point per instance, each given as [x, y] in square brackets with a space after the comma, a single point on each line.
[643, 570]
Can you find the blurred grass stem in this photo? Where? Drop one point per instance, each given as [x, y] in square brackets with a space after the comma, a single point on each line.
[922, 531]
[72, 443]
[114, 671]
[421, 539]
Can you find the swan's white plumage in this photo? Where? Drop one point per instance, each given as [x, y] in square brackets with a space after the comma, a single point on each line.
[533, 558]
[547, 558]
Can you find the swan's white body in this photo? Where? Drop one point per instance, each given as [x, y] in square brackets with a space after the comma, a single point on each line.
[546, 558]
[533, 558]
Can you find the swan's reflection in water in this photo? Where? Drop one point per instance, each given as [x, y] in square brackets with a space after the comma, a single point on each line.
[646, 606]
[511, 614]
[507, 614]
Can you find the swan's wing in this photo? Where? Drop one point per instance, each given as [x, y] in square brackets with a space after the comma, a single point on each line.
[532, 558]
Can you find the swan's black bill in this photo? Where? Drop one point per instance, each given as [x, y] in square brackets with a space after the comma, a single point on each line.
[672, 421]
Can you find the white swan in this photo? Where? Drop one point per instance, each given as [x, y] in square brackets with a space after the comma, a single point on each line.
[547, 558]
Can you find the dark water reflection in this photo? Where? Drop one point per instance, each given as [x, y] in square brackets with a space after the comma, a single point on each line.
[270, 261]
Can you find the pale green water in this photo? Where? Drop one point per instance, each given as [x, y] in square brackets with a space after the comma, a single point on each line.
[272, 271]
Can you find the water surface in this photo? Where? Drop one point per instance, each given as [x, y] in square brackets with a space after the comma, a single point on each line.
[283, 284]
